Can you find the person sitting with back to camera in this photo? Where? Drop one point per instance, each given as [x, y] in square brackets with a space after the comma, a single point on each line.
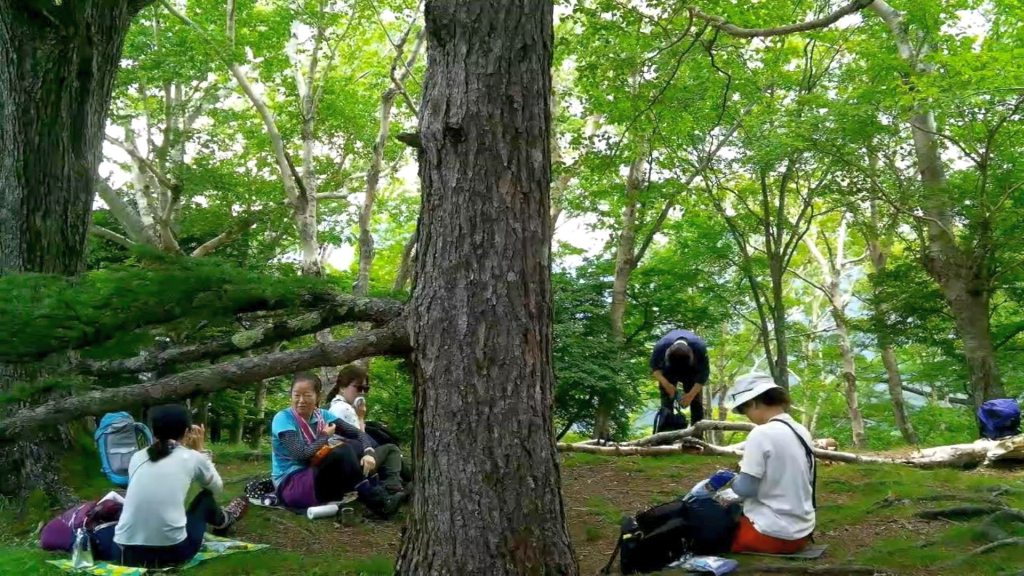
[777, 472]
[318, 458]
[352, 386]
[155, 529]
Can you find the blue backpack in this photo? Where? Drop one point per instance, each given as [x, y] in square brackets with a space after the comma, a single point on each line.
[118, 438]
[999, 418]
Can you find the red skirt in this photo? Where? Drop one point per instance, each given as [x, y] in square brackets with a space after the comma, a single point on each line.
[748, 539]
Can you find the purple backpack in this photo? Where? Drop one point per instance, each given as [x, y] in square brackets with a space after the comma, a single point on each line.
[59, 534]
[999, 418]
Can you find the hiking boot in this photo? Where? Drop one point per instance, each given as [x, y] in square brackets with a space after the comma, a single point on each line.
[233, 512]
[381, 502]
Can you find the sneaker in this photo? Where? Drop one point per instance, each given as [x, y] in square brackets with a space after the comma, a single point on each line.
[382, 503]
[233, 512]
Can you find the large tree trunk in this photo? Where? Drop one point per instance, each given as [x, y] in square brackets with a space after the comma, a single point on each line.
[481, 312]
[57, 67]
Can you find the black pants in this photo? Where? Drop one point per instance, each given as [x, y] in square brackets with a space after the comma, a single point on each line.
[338, 474]
[202, 511]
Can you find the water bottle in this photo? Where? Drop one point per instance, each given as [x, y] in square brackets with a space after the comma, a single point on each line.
[81, 553]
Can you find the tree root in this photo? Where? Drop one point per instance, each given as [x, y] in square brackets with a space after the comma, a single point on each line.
[892, 500]
[959, 512]
[992, 532]
[993, 546]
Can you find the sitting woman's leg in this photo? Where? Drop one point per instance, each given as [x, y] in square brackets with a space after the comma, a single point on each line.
[389, 467]
[338, 474]
[748, 539]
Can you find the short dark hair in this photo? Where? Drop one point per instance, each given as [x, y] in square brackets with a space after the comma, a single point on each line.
[305, 377]
[679, 354]
[770, 397]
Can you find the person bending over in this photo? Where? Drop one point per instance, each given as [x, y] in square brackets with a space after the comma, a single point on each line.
[156, 529]
[312, 465]
[777, 473]
[679, 363]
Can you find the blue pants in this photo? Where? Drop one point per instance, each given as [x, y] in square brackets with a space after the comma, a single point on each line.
[202, 511]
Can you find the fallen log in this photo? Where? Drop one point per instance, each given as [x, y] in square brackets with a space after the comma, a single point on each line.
[662, 438]
[392, 339]
[694, 446]
[686, 441]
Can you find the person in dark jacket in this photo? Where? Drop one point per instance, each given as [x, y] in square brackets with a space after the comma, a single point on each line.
[679, 363]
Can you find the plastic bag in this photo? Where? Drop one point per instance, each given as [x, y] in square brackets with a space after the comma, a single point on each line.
[81, 553]
[706, 564]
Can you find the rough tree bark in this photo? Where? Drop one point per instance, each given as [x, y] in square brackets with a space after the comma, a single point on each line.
[481, 312]
[57, 67]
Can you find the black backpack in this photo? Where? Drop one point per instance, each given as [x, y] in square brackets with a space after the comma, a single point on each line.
[666, 419]
[661, 535]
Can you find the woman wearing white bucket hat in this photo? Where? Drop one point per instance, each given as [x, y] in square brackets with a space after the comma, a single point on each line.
[777, 472]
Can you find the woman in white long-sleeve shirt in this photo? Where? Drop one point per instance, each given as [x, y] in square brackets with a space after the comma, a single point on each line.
[155, 529]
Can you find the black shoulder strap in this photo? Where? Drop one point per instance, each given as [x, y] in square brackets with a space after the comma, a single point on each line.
[810, 461]
[608, 567]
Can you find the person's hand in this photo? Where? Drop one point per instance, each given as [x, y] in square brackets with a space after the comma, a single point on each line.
[329, 430]
[195, 438]
[369, 464]
[360, 407]
[685, 401]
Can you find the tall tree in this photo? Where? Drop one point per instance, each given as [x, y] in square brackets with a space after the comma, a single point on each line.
[481, 310]
[57, 67]
[835, 285]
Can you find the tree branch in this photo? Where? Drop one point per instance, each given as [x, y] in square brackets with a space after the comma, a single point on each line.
[121, 210]
[108, 234]
[223, 238]
[818, 23]
[287, 178]
[164, 181]
[347, 309]
[926, 394]
[390, 340]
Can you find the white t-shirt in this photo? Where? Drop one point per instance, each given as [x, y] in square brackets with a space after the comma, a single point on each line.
[342, 409]
[783, 507]
[154, 506]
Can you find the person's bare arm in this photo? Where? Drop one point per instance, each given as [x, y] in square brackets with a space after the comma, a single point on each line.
[688, 398]
[664, 383]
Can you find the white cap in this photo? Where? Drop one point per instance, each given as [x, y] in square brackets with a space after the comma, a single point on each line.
[748, 387]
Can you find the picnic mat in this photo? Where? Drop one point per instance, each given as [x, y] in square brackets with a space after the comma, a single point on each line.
[213, 546]
[812, 552]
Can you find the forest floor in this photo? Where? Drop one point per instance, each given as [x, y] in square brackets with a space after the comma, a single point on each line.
[866, 516]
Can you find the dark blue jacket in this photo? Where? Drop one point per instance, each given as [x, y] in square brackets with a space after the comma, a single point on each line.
[697, 373]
